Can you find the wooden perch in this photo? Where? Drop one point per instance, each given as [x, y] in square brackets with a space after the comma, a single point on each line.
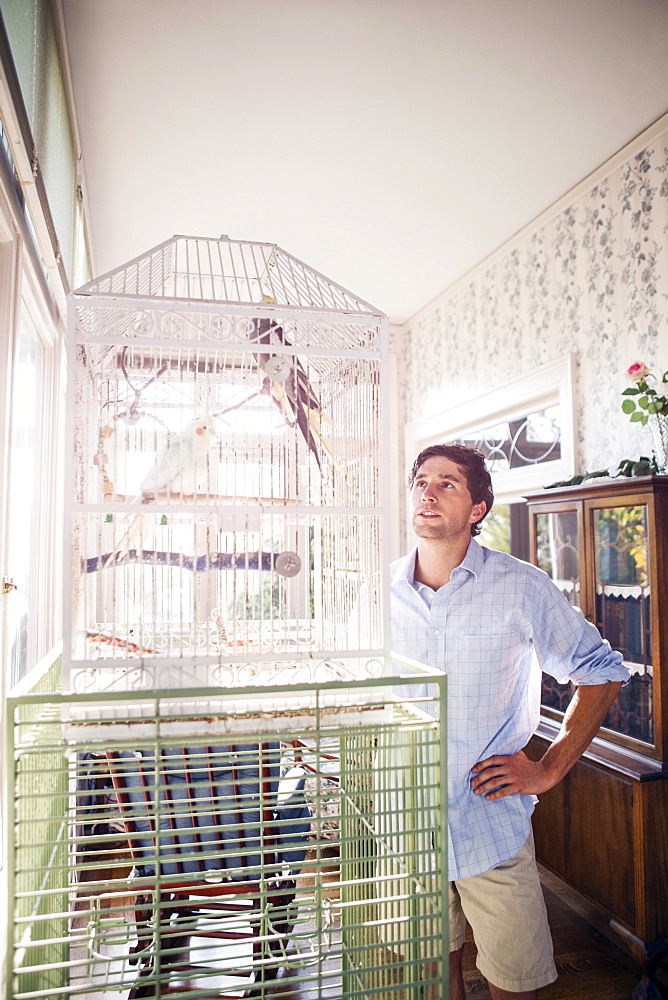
[196, 564]
[208, 498]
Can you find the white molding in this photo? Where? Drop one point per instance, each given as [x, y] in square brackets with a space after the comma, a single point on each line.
[546, 386]
[644, 139]
[10, 278]
[66, 77]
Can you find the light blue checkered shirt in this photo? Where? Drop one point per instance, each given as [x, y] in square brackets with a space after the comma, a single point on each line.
[492, 628]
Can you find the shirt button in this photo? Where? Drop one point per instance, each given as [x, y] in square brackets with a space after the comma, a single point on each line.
[437, 631]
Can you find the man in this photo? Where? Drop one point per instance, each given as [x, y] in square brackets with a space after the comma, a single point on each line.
[492, 622]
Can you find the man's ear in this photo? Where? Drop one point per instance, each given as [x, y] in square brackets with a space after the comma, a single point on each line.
[479, 510]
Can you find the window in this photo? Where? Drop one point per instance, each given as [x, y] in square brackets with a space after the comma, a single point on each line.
[525, 430]
[24, 483]
[530, 439]
[525, 427]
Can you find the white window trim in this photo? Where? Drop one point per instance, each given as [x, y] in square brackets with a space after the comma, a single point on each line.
[48, 533]
[23, 291]
[547, 386]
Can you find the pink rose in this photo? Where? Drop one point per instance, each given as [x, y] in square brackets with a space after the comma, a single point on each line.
[638, 371]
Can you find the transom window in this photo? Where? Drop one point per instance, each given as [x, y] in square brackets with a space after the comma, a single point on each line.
[526, 440]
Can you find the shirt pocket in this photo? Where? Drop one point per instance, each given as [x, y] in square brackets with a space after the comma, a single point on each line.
[489, 669]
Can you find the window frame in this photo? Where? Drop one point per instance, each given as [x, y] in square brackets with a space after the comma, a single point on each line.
[23, 291]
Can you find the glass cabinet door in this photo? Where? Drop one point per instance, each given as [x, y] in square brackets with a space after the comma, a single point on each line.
[622, 590]
[557, 536]
[558, 552]
[617, 596]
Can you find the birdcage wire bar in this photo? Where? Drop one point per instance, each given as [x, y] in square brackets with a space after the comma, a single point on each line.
[367, 917]
[224, 270]
[288, 368]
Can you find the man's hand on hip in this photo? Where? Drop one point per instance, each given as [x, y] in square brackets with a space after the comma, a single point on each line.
[499, 776]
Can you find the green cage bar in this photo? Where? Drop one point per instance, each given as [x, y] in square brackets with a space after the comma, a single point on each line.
[206, 842]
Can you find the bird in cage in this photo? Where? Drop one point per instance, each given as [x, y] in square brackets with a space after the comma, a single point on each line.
[179, 467]
[288, 385]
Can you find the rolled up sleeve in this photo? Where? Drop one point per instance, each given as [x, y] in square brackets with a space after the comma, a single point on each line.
[570, 648]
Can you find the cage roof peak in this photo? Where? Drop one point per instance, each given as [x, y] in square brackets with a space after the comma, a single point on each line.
[228, 272]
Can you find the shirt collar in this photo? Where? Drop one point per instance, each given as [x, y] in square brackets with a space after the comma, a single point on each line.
[472, 562]
[474, 559]
[405, 569]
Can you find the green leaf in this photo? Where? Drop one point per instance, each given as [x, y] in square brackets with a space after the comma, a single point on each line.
[643, 402]
[638, 417]
[633, 391]
[628, 406]
[653, 406]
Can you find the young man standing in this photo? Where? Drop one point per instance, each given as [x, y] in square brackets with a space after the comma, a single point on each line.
[492, 623]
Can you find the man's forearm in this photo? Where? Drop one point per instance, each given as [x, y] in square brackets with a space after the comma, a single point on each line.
[515, 774]
[587, 710]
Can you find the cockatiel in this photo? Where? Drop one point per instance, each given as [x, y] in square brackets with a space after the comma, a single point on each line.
[180, 466]
[294, 397]
[182, 462]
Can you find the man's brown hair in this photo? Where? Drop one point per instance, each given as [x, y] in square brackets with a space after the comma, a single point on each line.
[472, 463]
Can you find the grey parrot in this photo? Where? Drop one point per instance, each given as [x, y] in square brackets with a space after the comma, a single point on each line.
[294, 396]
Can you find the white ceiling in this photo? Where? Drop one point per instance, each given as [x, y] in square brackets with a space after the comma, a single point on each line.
[390, 144]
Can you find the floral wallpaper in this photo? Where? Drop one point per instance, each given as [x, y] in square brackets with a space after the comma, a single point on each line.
[593, 280]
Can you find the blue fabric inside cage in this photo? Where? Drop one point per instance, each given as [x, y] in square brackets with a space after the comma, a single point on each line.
[219, 809]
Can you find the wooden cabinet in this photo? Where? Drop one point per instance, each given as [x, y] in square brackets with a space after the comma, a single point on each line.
[604, 829]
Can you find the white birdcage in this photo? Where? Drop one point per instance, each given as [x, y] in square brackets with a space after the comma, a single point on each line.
[226, 460]
[226, 612]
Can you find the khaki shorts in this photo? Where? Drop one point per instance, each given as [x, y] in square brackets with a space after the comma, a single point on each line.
[506, 910]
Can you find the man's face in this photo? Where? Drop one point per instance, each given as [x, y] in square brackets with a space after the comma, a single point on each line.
[441, 505]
